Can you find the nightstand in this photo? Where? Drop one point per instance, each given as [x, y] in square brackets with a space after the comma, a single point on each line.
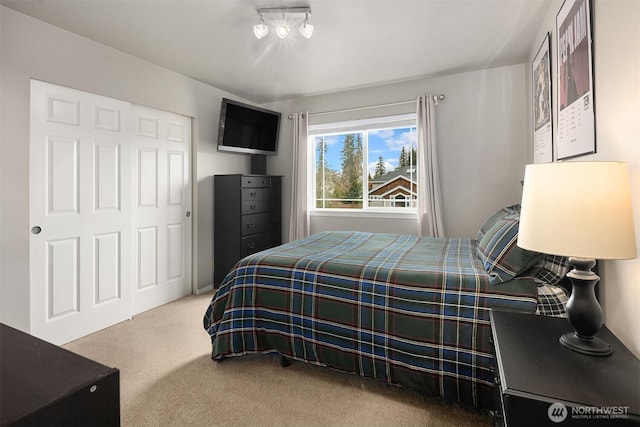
[45, 385]
[539, 382]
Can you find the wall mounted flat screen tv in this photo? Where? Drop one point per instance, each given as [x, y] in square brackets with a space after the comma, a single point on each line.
[247, 129]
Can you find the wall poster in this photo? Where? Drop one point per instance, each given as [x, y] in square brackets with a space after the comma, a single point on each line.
[576, 117]
[543, 128]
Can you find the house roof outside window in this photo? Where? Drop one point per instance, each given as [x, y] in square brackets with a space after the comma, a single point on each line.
[400, 181]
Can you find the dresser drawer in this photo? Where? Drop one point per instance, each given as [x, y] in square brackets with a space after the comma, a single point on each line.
[256, 181]
[254, 224]
[255, 243]
[251, 194]
[256, 206]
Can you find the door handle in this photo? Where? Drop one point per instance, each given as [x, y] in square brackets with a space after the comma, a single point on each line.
[36, 229]
[188, 214]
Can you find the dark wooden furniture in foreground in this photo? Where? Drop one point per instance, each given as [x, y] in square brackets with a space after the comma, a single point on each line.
[45, 385]
[540, 382]
[247, 218]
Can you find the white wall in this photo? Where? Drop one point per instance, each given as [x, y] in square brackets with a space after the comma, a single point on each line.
[482, 130]
[616, 58]
[33, 49]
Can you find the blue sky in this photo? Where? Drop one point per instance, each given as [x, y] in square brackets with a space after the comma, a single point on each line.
[386, 143]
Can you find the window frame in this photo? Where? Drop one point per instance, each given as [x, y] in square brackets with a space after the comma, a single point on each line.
[356, 126]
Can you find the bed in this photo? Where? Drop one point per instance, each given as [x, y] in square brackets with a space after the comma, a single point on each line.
[402, 309]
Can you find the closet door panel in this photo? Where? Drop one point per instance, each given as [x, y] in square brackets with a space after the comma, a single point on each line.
[80, 215]
[163, 176]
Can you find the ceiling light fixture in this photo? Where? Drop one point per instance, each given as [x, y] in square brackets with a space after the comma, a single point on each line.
[282, 29]
[306, 29]
[260, 30]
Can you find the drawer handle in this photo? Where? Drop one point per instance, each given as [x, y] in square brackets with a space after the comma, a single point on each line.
[250, 225]
[253, 194]
[252, 207]
[251, 245]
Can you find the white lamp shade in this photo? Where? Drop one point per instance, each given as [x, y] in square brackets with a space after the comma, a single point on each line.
[578, 209]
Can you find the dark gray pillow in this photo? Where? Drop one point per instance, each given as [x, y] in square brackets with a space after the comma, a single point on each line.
[499, 252]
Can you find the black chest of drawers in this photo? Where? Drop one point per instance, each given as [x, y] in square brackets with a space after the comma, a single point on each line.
[247, 218]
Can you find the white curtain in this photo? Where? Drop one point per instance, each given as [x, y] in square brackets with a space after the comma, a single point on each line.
[429, 200]
[299, 219]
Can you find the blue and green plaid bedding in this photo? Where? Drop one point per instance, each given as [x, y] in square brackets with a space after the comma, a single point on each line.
[406, 310]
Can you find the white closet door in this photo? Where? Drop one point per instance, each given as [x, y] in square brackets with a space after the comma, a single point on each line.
[80, 212]
[162, 207]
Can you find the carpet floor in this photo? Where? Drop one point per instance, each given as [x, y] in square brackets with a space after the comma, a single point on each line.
[167, 378]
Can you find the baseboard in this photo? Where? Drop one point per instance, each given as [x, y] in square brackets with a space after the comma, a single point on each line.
[205, 289]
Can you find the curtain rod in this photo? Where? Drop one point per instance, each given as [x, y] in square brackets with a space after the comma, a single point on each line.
[436, 98]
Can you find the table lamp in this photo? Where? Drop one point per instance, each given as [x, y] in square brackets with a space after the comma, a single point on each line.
[581, 210]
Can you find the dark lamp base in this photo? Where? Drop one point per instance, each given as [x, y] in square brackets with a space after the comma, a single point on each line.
[584, 312]
[592, 346]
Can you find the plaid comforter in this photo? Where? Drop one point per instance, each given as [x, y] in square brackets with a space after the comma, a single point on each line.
[406, 310]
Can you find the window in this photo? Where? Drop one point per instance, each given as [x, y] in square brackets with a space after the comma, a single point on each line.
[367, 164]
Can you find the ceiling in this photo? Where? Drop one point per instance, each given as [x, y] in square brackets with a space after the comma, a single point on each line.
[356, 43]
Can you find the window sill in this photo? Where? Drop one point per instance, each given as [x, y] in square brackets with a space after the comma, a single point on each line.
[401, 213]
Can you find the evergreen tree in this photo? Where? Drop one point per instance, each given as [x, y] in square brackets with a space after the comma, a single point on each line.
[322, 154]
[356, 179]
[321, 172]
[327, 179]
[351, 177]
[380, 168]
[403, 160]
[359, 160]
[408, 157]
